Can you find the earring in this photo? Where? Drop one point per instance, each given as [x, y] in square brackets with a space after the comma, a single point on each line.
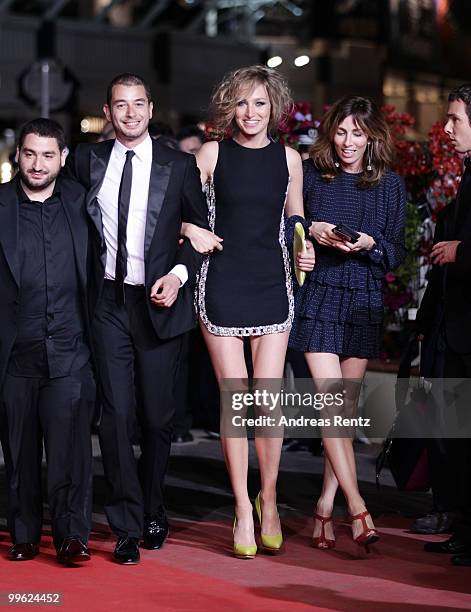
[336, 164]
[369, 167]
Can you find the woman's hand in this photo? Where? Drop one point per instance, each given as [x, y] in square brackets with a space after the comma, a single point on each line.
[323, 234]
[305, 261]
[202, 240]
[364, 243]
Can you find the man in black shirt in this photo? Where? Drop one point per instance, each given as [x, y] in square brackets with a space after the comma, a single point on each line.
[46, 383]
[446, 312]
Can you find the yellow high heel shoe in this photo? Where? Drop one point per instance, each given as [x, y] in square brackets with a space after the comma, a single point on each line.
[244, 551]
[270, 543]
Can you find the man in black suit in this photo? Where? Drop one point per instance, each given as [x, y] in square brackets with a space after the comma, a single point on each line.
[139, 192]
[46, 383]
[446, 307]
[431, 323]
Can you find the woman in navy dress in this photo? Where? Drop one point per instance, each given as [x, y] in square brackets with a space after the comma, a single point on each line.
[339, 310]
[245, 289]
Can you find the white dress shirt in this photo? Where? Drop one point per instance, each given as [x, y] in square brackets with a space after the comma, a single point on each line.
[136, 226]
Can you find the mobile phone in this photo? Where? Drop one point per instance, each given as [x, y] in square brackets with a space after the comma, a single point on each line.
[346, 233]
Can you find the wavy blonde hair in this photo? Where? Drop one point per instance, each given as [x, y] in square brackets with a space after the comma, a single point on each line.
[228, 93]
[380, 150]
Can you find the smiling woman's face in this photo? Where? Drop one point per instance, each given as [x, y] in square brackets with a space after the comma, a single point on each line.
[350, 143]
[252, 114]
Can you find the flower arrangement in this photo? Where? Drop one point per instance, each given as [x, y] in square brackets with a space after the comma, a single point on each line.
[432, 173]
[400, 290]
[446, 169]
[431, 169]
[297, 124]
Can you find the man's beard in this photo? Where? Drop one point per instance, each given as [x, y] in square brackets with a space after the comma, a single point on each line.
[130, 134]
[37, 186]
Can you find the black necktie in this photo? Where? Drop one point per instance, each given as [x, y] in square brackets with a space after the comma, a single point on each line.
[123, 210]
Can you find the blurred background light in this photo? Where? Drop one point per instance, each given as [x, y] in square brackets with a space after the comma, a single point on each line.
[302, 60]
[5, 172]
[274, 61]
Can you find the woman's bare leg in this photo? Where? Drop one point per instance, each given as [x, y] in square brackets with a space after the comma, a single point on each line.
[353, 369]
[324, 366]
[340, 465]
[227, 357]
[268, 356]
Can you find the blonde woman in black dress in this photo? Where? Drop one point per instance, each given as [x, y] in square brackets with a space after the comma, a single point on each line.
[246, 288]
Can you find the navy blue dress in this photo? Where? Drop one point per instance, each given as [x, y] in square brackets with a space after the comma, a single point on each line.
[339, 309]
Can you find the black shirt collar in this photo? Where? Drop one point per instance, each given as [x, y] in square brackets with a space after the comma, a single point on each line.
[24, 199]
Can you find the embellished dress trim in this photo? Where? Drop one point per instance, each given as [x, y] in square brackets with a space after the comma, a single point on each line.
[256, 330]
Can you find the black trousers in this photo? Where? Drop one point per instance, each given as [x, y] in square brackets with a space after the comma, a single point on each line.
[137, 373]
[458, 450]
[204, 384]
[183, 403]
[60, 410]
[444, 492]
[432, 363]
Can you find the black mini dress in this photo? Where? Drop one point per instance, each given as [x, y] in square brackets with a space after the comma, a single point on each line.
[246, 289]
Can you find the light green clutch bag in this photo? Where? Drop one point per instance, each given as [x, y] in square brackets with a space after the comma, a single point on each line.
[299, 246]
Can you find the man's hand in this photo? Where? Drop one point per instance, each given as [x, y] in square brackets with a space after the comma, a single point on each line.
[306, 261]
[444, 252]
[165, 290]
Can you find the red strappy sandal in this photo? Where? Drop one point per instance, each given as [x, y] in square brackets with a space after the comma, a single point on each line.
[369, 535]
[321, 541]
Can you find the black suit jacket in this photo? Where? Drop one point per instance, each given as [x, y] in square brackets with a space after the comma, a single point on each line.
[175, 195]
[73, 200]
[447, 298]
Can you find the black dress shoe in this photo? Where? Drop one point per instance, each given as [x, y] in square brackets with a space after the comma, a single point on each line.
[462, 560]
[155, 530]
[23, 552]
[73, 550]
[182, 438]
[435, 522]
[126, 551]
[452, 546]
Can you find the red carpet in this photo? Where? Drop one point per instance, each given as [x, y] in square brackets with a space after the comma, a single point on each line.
[195, 571]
